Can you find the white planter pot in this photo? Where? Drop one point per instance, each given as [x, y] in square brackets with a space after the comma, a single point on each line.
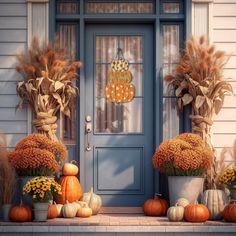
[6, 209]
[189, 187]
[40, 211]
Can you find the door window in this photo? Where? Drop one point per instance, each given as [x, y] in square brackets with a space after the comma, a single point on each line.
[118, 117]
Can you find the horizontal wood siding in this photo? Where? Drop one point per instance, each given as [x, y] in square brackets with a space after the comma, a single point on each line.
[13, 39]
[224, 37]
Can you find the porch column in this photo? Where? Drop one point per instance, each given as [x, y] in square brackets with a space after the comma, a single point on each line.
[37, 25]
[202, 17]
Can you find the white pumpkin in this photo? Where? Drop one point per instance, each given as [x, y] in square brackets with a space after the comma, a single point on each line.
[94, 201]
[69, 210]
[182, 202]
[215, 200]
[175, 213]
[59, 207]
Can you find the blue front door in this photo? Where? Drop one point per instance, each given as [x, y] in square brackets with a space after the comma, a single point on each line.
[119, 148]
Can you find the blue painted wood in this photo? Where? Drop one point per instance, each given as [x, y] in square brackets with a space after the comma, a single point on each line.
[124, 165]
[93, 159]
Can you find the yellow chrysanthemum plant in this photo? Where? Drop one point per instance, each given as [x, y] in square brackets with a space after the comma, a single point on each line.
[184, 155]
[42, 189]
[37, 155]
[228, 177]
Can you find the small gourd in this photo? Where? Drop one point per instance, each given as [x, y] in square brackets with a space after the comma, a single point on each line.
[94, 201]
[69, 210]
[175, 213]
[182, 202]
[84, 212]
[215, 200]
[229, 212]
[52, 211]
[77, 205]
[70, 169]
[82, 203]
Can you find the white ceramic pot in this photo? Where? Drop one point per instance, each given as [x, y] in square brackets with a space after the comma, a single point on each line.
[189, 187]
[40, 211]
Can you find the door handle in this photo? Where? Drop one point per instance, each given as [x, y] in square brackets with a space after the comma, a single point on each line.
[88, 131]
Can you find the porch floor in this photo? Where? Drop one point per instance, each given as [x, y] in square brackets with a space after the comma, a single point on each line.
[117, 224]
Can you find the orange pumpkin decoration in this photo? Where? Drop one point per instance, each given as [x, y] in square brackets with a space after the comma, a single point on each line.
[52, 211]
[70, 188]
[70, 168]
[21, 213]
[155, 207]
[229, 212]
[196, 213]
[120, 92]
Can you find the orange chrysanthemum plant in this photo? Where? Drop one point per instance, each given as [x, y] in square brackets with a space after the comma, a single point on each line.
[37, 155]
[184, 155]
[48, 85]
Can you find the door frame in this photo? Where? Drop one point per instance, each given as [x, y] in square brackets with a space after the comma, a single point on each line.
[156, 19]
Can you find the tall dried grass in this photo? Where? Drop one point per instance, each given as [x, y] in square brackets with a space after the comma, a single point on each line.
[7, 175]
[48, 85]
[198, 79]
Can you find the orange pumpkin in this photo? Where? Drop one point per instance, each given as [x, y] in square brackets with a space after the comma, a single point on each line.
[70, 188]
[120, 92]
[196, 213]
[70, 168]
[52, 211]
[229, 212]
[155, 207]
[21, 213]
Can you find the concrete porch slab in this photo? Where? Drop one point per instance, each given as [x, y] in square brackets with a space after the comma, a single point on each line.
[116, 224]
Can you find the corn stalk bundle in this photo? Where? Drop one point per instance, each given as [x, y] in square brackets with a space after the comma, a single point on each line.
[198, 80]
[48, 85]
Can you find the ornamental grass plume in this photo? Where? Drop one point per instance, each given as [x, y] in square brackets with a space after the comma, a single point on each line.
[48, 85]
[198, 79]
[37, 155]
[7, 175]
[184, 155]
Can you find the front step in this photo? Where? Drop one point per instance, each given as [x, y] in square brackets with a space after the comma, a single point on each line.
[117, 224]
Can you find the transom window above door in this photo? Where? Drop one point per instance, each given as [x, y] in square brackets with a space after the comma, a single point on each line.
[119, 7]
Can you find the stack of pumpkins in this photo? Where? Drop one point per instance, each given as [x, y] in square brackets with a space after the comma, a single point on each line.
[119, 89]
[214, 206]
[73, 202]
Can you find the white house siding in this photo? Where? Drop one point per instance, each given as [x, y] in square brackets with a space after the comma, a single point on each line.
[223, 35]
[13, 39]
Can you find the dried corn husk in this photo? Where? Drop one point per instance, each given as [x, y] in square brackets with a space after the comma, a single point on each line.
[198, 79]
[48, 85]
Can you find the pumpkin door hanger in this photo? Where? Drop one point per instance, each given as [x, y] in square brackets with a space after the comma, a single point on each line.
[119, 89]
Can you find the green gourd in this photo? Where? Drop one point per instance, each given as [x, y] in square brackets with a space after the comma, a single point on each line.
[215, 200]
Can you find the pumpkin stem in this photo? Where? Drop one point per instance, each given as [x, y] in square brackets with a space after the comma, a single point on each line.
[91, 190]
[157, 195]
[74, 162]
